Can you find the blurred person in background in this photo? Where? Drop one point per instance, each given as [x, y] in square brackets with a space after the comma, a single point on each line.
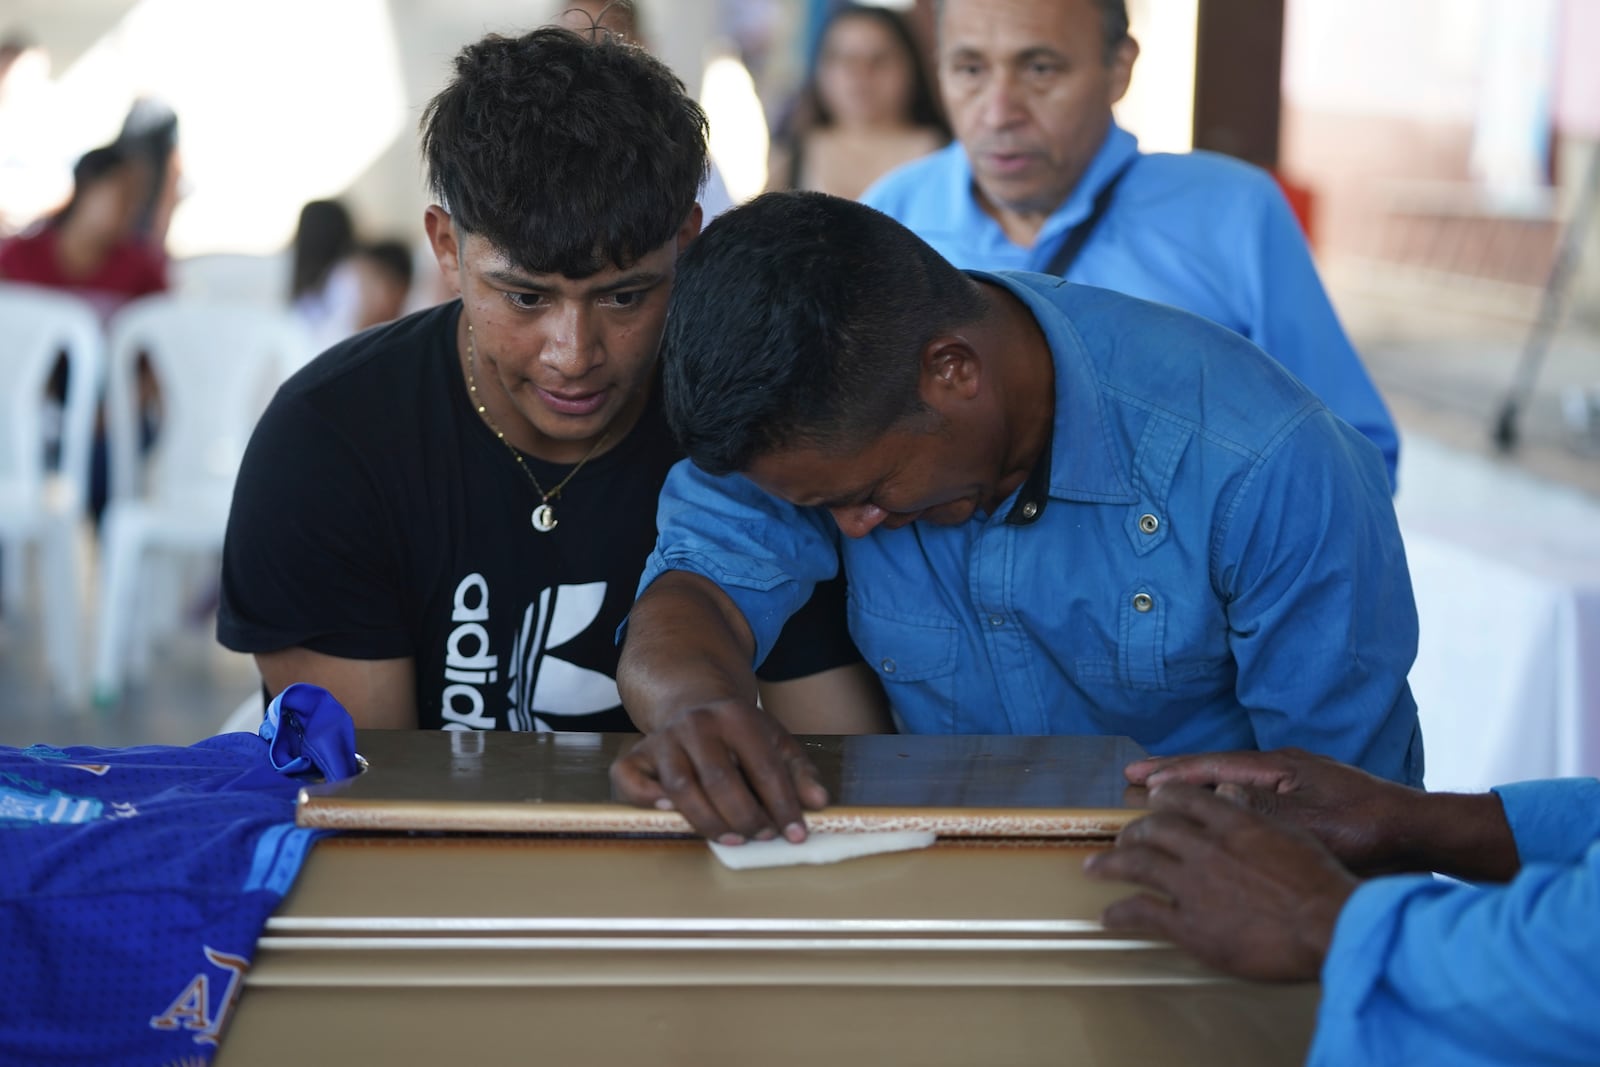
[91, 249]
[1043, 179]
[867, 108]
[383, 271]
[90, 246]
[338, 284]
[150, 132]
[323, 297]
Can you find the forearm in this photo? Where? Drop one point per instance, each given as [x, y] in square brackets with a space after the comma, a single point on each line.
[843, 700]
[1465, 836]
[687, 646]
[378, 694]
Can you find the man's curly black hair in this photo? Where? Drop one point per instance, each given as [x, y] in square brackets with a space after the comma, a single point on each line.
[568, 153]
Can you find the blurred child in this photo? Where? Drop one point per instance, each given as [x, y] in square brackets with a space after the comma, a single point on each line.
[383, 272]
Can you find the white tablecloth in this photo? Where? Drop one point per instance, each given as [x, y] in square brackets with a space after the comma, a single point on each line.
[1507, 678]
[1507, 580]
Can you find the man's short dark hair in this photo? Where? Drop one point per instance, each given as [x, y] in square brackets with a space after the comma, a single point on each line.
[566, 152]
[799, 320]
[1113, 24]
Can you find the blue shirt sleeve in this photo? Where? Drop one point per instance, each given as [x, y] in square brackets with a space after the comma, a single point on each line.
[1292, 318]
[1424, 971]
[1553, 821]
[1321, 621]
[766, 554]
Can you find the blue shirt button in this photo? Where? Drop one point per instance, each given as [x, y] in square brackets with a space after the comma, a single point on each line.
[888, 666]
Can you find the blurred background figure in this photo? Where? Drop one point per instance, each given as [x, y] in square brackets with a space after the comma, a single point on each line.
[616, 16]
[383, 271]
[338, 285]
[867, 107]
[323, 298]
[90, 247]
[150, 132]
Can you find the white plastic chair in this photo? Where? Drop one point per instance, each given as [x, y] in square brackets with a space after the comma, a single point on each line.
[233, 277]
[216, 366]
[40, 509]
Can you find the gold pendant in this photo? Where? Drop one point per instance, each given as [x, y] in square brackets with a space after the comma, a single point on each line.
[544, 518]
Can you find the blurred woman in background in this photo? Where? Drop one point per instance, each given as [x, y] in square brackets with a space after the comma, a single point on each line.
[339, 285]
[90, 247]
[868, 107]
[321, 296]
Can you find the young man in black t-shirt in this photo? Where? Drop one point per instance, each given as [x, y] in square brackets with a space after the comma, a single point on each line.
[443, 520]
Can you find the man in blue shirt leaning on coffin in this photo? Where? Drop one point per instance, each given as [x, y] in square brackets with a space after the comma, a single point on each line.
[1501, 970]
[1058, 510]
[1041, 178]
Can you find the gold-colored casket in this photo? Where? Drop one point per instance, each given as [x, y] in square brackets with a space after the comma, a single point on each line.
[487, 902]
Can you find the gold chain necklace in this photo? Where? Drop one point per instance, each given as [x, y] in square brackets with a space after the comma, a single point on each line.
[544, 516]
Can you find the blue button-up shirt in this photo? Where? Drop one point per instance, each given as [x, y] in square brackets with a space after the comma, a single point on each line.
[1199, 231]
[1425, 972]
[1216, 564]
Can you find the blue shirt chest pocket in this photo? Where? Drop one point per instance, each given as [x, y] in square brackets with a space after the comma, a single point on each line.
[914, 655]
[1154, 634]
[1160, 624]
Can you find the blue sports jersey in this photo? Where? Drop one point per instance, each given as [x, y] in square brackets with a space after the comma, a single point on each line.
[133, 885]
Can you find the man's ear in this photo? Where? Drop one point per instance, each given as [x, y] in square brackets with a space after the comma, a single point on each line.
[690, 228]
[951, 371]
[446, 244]
[1122, 59]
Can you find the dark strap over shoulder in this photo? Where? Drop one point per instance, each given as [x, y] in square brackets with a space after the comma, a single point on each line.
[1067, 254]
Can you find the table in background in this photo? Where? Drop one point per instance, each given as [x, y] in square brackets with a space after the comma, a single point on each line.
[1507, 678]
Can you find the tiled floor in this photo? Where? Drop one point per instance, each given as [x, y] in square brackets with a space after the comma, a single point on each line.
[192, 686]
[1445, 357]
[1445, 377]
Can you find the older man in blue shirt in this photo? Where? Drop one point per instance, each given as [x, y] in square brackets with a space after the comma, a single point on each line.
[1502, 970]
[1064, 511]
[1042, 179]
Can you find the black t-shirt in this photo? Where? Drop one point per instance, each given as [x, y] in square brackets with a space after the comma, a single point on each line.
[377, 517]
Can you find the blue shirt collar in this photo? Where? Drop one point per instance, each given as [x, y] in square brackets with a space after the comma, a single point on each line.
[1118, 147]
[1083, 464]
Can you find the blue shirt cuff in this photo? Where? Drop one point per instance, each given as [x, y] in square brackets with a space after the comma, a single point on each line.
[1553, 821]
